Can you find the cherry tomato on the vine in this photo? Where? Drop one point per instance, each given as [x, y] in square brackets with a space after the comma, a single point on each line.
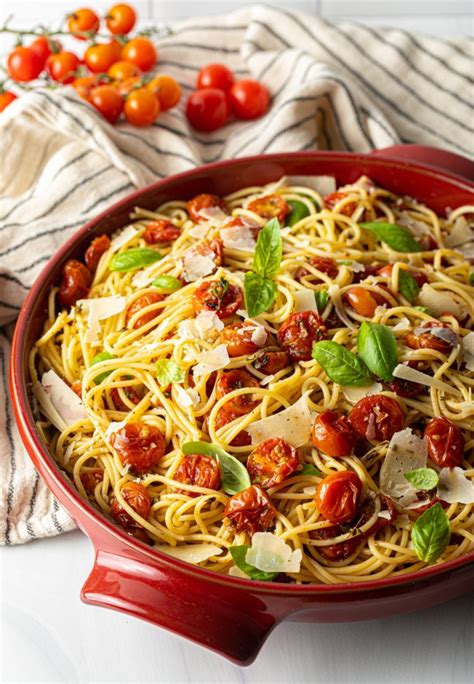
[141, 107]
[62, 66]
[44, 47]
[24, 64]
[166, 89]
[107, 101]
[99, 58]
[207, 109]
[141, 52]
[81, 21]
[215, 76]
[122, 70]
[6, 98]
[85, 84]
[120, 19]
[249, 99]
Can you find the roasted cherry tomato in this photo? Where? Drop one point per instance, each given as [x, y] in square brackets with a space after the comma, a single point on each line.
[233, 380]
[334, 198]
[160, 231]
[82, 21]
[339, 551]
[62, 66]
[249, 99]
[406, 388]
[363, 301]
[140, 303]
[367, 510]
[376, 417]
[323, 264]
[130, 392]
[445, 443]
[75, 283]
[97, 247]
[107, 101]
[43, 46]
[120, 19]
[141, 52]
[369, 270]
[91, 478]
[137, 497]
[337, 496]
[332, 434]
[220, 296]
[166, 89]
[212, 248]
[270, 362]
[204, 201]
[24, 64]
[247, 224]
[215, 76]
[251, 510]
[198, 470]
[428, 340]
[299, 332]
[225, 416]
[141, 107]
[100, 57]
[121, 71]
[270, 206]
[6, 98]
[139, 445]
[272, 462]
[207, 109]
[238, 338]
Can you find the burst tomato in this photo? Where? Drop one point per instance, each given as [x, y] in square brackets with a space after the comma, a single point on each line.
[62, 66]
[225, 416]
[428, 340]
[337, 496]
[141, 52]
[299, 332]
[364, 302]
[233, 380]
[272, 462]
[140, 303]
[198, 470]
[445, 443]
[204, 201]
[270, 206]
[91, 478]
[249, 99]
[323, 264]
[166, 89]
[139, 445]
[141, 107]
[335, 552]
[207, 109]
[130, 393]
[220, 296]
[251, 510]
[24, 64]
[270, 362]
[120, 19]
[332, 434]
[334, 198]
[98, 246]
[159, 231]
[376, 417]
[238, 339]
[137, 497]
[81, 21]
[75, 283]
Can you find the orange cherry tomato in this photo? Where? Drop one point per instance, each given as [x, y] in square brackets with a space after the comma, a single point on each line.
[120, 19]
[99, 58]
[98, 246]
[377, 417]
[141, 52]
[166, 89]
[201, 471]
[24, 64]
[270, 362]
[84, 85]
[44, 46]
[75, 283]
[220, 296]
[141, 107]
[139, 445]
[127, 86]
[233, 380]
[299, 332]
[159, 231]
[82, 21]
[107, 101]
[238, 339]
[137, 497]
[251, 510]
[62, 66]
[332, 434]
[140, 303]
[427, 340]
[121, 71]
[6, 98]
[334, 198]
[364, 302]
[270, 206]
[338, 495]
[249, 99]
[445, 443]
[204, 201]
[272, 462]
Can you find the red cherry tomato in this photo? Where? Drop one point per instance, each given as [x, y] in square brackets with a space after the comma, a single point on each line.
[140, 303]
[299, 332]
[75, 283]
[363, 301]
[323, 264]
[269, 362]
[6, 98]
[99, 58]
[335, 552]
[250, 510]
[270, 206]
[215, 76]
[220, 296]
[141, 107]
[120, 19]
[337, 496]
[98, 246]
[141, 52]
[91, 478]
[249, 99]
[160, 231]
[204, 201]
[107, 101]
[24, 64]
[445, 443]
[272, 462]
[238, 339]
[377, 417]
[427, 340]
[137, 497]
[406, 388]
[62, 66]
[44, 46]
[166, 89]
[332, 434]
[201, 471]
[139, 445]
[334, 198]
[207, 109]
[224, 416]
[130, 394]
[233, 380]
[81, 21]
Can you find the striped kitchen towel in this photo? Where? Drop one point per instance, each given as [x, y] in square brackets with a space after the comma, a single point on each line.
[341, 87]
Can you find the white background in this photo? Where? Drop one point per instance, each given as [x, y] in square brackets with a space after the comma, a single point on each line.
[47, 635]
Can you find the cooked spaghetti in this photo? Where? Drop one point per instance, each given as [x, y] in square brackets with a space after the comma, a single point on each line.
[348, 319]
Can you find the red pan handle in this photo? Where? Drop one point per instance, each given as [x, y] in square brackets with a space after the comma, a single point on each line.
[434, 156]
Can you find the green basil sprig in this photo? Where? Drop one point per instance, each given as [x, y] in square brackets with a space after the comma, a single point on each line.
[309, 469]
[431, 533]
[423, 478]
[103, 356]
[260, 293]
[167, 282]
[132, 259]
[408, 286]
[260, 290]
[167, 372]
[235, 476]
[377, 348]
[238, 553]
[321, 298]
[341, 366]
[299, 211]
[397, 237]
[424, 309]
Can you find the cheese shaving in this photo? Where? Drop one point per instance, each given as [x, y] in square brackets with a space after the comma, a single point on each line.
[123, 237]
[238, 237]
[186, 398]
[197, 265]
[214, 215]
[211, 360]
[269, 553]
[334, 292]
[468, 350]
[355, 394]
[406, 373]
[403, 325]
[191, 553]
[461, 233]
[304, 300]
[66, 404]
[99, 309]
[455, 487]
[439, 302]
[405, 452]
[292, 424]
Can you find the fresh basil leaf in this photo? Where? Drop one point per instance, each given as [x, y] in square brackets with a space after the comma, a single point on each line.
[309, 469]
[167, 371]
[397, 237]
[424, 309]
[103, 356]
[235, 475]
[268, 250]
[408, 286]
[378, 349]
[423, 478]
[431, 533]
[299, 211]
[167, 282]
[345, 262]
[238, 553]
[260, 293]
[321, 298]
[341, 366]
[132, 259]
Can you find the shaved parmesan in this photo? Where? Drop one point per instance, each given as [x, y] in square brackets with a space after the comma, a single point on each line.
[445, 334]
[269, 553]
[98, 310]
[438, 301]
[402, 326]
[467, 250]
[267, 380]
[405, 452]
[67, 406]
[259, 336]
[238, 237]
[461, 233]
[364, 183]
[191, 553]
[123, 237]
[276, 185]
[384, 514]
[47, 407]
[292, 424]
[197, 265]
[324, 185]
[406, 373]
[200, 230]
[309, 490]
[304, 300]
[207, 323]
[418, 228]
[455, 487]
[353, 266]
[468, 350]
[211, 360]
[355, 394]
[114, 427]
[334, 292]
[213, 214]
[186, 398]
